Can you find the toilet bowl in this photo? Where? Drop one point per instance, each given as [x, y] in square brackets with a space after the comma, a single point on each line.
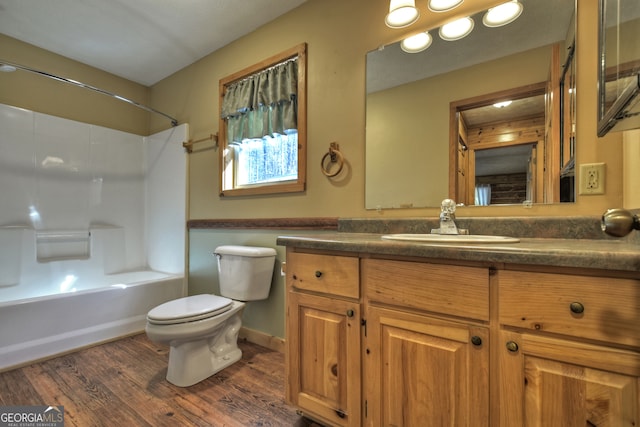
[202, 330]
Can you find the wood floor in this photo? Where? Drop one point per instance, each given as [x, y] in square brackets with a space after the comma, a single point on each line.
[123, 383]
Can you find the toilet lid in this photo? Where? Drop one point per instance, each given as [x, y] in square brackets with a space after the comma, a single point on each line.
[189, 309]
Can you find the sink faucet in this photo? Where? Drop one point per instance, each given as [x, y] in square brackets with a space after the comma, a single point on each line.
[447, 219]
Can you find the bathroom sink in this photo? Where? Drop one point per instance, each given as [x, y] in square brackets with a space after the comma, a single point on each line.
[451, 238]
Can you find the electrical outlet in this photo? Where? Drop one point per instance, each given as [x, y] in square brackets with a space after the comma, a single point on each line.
[592, 177]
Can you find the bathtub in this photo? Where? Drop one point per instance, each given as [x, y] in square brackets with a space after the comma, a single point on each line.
[35, 328]
[92, 232]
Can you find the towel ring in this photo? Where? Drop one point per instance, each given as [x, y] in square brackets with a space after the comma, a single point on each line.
[335, 156]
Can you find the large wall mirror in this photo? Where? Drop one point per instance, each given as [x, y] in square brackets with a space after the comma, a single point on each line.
[619, 73]
[432, 131]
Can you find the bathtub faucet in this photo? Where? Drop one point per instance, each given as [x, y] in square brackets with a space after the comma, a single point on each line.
[447, 219]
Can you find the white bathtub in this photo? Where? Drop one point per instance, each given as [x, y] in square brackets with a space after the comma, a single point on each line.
[39, 327]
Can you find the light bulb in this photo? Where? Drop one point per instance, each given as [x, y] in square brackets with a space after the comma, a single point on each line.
[416, 43]
[457, 29]
[502, 14]
[402, 13]
[443, 5]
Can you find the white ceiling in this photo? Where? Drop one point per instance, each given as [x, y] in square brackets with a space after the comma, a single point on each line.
[140, 40]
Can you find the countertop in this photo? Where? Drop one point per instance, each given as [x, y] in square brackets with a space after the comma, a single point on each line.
[618, 255]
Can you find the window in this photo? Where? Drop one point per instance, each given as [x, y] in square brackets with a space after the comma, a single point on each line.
[263, 127]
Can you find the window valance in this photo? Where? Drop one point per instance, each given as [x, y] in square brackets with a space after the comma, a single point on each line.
[263, 103]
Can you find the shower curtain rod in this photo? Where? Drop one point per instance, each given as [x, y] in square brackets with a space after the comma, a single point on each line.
[174, 122]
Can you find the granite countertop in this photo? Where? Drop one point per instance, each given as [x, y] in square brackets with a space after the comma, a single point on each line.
[607, 254]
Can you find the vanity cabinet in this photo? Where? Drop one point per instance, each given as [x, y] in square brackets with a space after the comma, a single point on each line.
[323, 337]
[426, 348]
[568, 353]
[383, 340]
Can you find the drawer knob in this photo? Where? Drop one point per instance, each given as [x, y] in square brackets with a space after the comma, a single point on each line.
[512, 346]
[350, 313]
[476, 340]
[576, 307]
[318, 273]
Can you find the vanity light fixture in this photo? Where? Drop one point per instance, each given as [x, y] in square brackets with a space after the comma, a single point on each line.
[456, 30]
[416, 43]
[502, 104]
[443, 5]
[502, 14]
[402, 13]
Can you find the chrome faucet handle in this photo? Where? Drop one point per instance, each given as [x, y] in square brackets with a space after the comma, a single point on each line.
[448, 206]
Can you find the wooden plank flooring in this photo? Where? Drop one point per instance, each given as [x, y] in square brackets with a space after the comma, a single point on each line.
[122, 383]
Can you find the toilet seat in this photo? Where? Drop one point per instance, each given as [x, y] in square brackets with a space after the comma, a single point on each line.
[189, 309]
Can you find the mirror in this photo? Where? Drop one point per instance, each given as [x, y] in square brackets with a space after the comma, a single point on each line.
[410, 99]
[619, 73]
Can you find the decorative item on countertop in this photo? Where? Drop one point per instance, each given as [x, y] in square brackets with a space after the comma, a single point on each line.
[619, 222]
[335, 156]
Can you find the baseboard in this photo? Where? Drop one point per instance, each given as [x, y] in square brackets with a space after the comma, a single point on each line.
[260, 338]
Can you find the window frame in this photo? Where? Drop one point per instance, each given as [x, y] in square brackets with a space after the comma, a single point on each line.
[291, 186]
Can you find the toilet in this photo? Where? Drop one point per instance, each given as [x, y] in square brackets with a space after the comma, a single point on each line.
[202, 330]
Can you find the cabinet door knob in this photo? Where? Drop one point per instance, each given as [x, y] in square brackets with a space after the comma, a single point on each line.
[576, 307]
[476, 340]
[512, 346]
[318, 273]
[350, 313]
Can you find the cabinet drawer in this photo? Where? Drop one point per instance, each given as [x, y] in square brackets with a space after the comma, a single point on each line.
[332, 275]
[599, 308]
[446, 289]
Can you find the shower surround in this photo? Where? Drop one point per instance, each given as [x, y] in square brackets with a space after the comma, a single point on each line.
[92, 231]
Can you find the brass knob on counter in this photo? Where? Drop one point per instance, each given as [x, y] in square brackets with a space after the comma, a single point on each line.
[350, 313]
[318, 273]
[576, 307]
[512, 346]
[619, 222]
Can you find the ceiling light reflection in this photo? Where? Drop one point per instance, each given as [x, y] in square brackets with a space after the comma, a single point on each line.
[502, 104]
[443, 5]
[416, 43]
[502, 14]
[457, 29]
[6, 68]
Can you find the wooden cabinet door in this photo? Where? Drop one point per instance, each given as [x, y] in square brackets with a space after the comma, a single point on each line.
[323, 360]
[549, 382]
[422, 371]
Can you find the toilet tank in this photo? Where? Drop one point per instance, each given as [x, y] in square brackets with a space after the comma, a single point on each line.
[245, 272]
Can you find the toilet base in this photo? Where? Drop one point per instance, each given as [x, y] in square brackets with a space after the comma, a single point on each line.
[193, 361]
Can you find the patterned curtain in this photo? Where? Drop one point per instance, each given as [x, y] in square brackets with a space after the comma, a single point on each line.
[262, 104]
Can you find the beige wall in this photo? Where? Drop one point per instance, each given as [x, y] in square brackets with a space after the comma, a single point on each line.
[338, 33]
[48, 96]
[631, 159]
